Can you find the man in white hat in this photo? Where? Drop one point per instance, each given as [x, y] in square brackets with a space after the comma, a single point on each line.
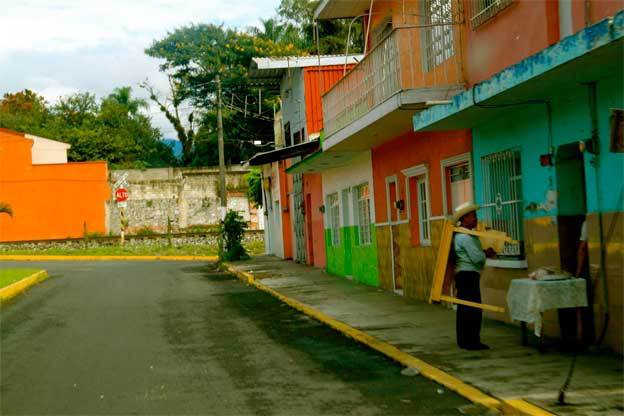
[469, 261]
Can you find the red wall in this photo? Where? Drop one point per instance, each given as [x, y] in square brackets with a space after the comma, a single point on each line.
[49, 201]
[520, 30]
[286, 184]
[318, 80]
[412, 149]
[313, 186]
[597, 10]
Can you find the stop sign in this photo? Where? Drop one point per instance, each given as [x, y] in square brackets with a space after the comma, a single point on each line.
[121, 194]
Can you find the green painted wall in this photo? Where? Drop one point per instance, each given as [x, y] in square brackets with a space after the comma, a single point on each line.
[351, 259]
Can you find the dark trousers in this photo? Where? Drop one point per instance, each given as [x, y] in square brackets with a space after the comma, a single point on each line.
[468, 324]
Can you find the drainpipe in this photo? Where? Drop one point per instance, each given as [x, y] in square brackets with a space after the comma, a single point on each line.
[593, 113]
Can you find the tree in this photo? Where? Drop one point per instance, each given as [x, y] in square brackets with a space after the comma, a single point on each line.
[254, 181]
[333, 34]
[114, 129]
[193, 58]
[186, 134]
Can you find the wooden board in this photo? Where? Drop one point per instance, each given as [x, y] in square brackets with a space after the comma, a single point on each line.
[442, 264]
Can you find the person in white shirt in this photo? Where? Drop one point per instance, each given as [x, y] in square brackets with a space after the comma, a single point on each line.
[469, 262]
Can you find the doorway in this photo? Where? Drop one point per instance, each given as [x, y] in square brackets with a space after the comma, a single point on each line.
[392, 196]
[572, 208]
[308, 220]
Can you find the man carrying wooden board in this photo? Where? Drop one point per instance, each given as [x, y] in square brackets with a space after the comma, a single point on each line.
[469, 262]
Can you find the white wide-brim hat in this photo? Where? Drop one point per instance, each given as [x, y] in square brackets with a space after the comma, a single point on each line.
[463, 209]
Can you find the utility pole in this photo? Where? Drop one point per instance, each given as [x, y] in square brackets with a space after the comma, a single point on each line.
[222, 192]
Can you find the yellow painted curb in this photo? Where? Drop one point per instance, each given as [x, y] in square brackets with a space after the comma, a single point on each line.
[89, 258]
[522, 407]
[18, 287]
[514, 406]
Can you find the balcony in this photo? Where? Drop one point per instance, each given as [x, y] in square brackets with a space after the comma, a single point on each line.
[402, 74]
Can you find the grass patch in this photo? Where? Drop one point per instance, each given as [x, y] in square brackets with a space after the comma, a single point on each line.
[10, 276]
[253, 248]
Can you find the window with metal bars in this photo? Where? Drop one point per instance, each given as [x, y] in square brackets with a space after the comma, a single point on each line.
[483, 10]
[362, 195]
[502, 197]
[437, 37]
[334, 218]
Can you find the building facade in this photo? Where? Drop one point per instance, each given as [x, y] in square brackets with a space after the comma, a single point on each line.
[50, 198]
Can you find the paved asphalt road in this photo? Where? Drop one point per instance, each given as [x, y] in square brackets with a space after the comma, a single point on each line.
[180, 338]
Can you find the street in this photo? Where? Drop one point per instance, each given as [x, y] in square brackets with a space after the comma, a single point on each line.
[181, 338]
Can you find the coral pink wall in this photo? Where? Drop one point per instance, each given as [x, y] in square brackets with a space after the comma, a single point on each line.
[520, 30]
[49, 201]
[313, 188]
[411, 149]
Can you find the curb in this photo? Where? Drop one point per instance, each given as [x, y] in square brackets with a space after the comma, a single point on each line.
[511, 406]
[18, 287]
[103, 258]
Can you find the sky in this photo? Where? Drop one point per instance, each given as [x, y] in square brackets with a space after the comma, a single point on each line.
[59, 47]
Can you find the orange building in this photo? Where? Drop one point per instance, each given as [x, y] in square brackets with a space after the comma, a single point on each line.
[49, 200]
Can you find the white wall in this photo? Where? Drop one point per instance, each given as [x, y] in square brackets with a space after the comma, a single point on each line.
[357, 172]
[292, 92]
[46, 151]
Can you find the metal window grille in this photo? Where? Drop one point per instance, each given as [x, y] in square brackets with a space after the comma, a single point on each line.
[502, 196]
[438, 38]
[423, 210]
[334, 218]
[363, 214]
[483, 10]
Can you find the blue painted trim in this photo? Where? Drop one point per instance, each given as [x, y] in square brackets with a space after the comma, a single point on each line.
[566, 50]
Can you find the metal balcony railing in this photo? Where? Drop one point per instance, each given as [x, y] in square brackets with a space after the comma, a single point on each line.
[396, 64]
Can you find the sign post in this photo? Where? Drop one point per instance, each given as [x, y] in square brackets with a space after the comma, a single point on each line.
[121, 197]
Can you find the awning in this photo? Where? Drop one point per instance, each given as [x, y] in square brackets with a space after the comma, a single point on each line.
[284, 153]
[580, 58]
[322, 161]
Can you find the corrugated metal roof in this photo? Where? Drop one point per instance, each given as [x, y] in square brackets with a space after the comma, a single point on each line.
[339, 9]
[274, 67]
[317, 82]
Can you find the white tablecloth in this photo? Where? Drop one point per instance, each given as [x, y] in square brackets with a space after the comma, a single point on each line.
[528, 298]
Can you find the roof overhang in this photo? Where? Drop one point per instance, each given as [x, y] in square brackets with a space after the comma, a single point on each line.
[340, 9]
[301, 149]
[581, 58]
[271, 69]
[322, 161]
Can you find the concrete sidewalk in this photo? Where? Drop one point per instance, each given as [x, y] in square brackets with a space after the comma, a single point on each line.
[507, 372]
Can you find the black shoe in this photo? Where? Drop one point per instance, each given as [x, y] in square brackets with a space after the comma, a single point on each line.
[476, 347]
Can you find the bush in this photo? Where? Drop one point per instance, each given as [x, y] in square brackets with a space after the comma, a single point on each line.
[254, 181]
[231, 232]
[145, 231]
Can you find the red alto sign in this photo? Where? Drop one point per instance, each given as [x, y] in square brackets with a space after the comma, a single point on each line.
[121, 195]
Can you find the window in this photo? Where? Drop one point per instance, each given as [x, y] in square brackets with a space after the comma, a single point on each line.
[502, 197]
[362, 198]
[334, 218]
[483, 10]
[287, 137]
[423, 210]
[438, 36]
[456, 182]
[417, 193]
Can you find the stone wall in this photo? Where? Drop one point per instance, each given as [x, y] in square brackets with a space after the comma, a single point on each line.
[187, 197]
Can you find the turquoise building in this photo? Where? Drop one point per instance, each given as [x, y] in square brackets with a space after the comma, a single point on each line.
[548, 155]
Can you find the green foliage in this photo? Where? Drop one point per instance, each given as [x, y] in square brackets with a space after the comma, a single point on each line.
[113, 130]
[146, 230]
[254, 182]
[231, 234]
